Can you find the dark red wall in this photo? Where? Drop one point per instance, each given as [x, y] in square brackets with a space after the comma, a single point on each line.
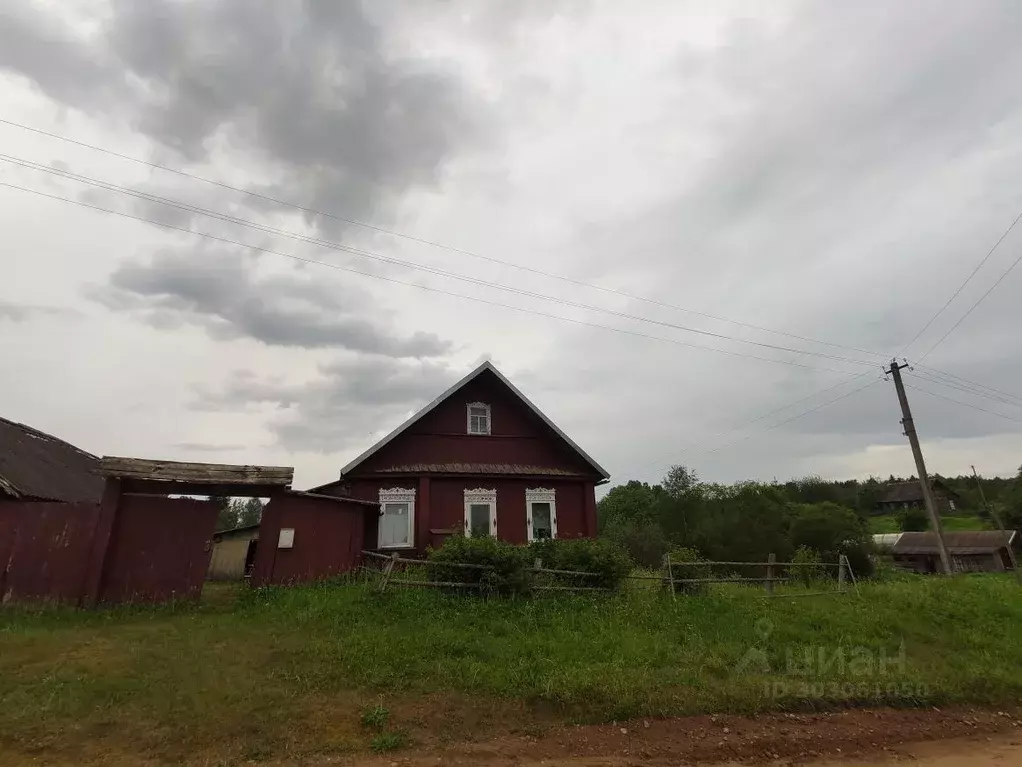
[517, 435]
[159, 549]
[440, 505]
[44, 550]
[328, 539]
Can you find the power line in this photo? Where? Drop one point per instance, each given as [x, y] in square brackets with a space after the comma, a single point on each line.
[965, 389]
[960, 289]
[424, 241]
[973, 307]
[764, 416]
[429, 288]
[408, 264]
[976, 384]
[796, 417]
[964, 404]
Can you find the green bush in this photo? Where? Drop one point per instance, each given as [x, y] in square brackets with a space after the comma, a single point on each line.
[606, 561]
[913, 519]
[812, 570]
[688, 563]
[509, 574]
[644, 541]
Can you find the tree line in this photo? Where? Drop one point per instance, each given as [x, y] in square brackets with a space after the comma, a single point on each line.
[747, 521]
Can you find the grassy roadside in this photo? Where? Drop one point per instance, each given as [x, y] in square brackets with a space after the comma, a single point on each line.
[289, 671]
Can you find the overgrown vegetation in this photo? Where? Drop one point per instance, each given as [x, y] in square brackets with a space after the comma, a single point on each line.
[291, 672]
[744, 522]
[505, 569]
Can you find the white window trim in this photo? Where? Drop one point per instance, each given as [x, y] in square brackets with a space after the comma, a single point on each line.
[541, 495]
[398, 495]
[480, 496]
[468, 418]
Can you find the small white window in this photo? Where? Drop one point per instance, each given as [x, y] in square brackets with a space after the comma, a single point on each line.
[480, 513]
[951, 504]
[478, 418]
[541, 513]
[397, 519]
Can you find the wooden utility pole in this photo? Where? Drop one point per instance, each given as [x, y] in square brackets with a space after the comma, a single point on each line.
[917, 453]
[997, 519]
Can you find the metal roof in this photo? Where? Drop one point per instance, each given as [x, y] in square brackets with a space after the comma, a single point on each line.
[958, 542]
[486, 366]
[38, 466]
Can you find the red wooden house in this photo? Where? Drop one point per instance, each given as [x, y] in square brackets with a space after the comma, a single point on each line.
[480, 459]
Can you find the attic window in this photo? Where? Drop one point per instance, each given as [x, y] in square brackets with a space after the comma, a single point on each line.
[478, 418]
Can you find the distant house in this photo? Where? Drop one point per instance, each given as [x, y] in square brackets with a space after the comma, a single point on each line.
[971, 551]
[903, 495]
[234, 553]
[482, 460]
[35, 466]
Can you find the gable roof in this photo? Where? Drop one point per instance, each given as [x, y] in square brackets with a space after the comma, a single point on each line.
[485, 367]
[906, 492]
[38, 466]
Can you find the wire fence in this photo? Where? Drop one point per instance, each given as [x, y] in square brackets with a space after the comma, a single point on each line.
[687, 577]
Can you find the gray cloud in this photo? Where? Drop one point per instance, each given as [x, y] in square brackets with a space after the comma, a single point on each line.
[208, 447]
[24, 312]
[304, 87]
[220, 290]
[351, 400]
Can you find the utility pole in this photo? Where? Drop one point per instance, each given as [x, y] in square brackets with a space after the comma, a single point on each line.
[997, 519]
[917, 453]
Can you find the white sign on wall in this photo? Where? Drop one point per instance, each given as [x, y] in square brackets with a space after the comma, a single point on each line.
[287, 538]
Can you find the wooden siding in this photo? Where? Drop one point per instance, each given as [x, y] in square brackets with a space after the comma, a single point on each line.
[517, 436]
[440, 506]
[328, 539]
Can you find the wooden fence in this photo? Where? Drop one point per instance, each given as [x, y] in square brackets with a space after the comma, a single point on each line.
[772, 575]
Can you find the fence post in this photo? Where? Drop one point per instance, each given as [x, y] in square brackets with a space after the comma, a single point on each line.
[771, 560]
[667, 574]
[388, 568]
[842, 571]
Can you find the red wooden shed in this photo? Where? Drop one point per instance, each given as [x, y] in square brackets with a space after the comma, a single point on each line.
[481, 459]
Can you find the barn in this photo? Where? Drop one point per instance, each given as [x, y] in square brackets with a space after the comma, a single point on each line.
[481, 459]
[970, 551]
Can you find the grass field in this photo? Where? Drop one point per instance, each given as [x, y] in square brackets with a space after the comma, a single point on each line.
[256, 675]
[888, 523]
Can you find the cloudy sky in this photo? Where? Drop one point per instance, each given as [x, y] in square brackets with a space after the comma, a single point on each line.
[570, 189]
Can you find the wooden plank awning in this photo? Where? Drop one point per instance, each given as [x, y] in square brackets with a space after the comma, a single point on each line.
[145, 475]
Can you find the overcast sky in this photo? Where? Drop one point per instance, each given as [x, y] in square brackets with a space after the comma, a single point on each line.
[828, 171]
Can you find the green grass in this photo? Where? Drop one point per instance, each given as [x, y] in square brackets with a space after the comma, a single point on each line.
[888, 523]
[298, 670]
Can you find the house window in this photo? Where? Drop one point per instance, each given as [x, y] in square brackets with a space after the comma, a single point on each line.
[480, 513]
[951, 504]
[397, 519]
[478, 418]
[541, 513]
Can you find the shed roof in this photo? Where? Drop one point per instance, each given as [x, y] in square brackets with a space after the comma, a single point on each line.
[38, 466]
[911, 491]
[483, 368]
[958, 542]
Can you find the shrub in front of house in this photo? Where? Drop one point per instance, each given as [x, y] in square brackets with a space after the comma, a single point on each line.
[503, 566]
[605, 563]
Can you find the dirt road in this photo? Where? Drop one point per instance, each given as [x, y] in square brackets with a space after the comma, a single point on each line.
[856, 738]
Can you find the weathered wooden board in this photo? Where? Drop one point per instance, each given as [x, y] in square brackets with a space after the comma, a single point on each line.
[201, 473]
